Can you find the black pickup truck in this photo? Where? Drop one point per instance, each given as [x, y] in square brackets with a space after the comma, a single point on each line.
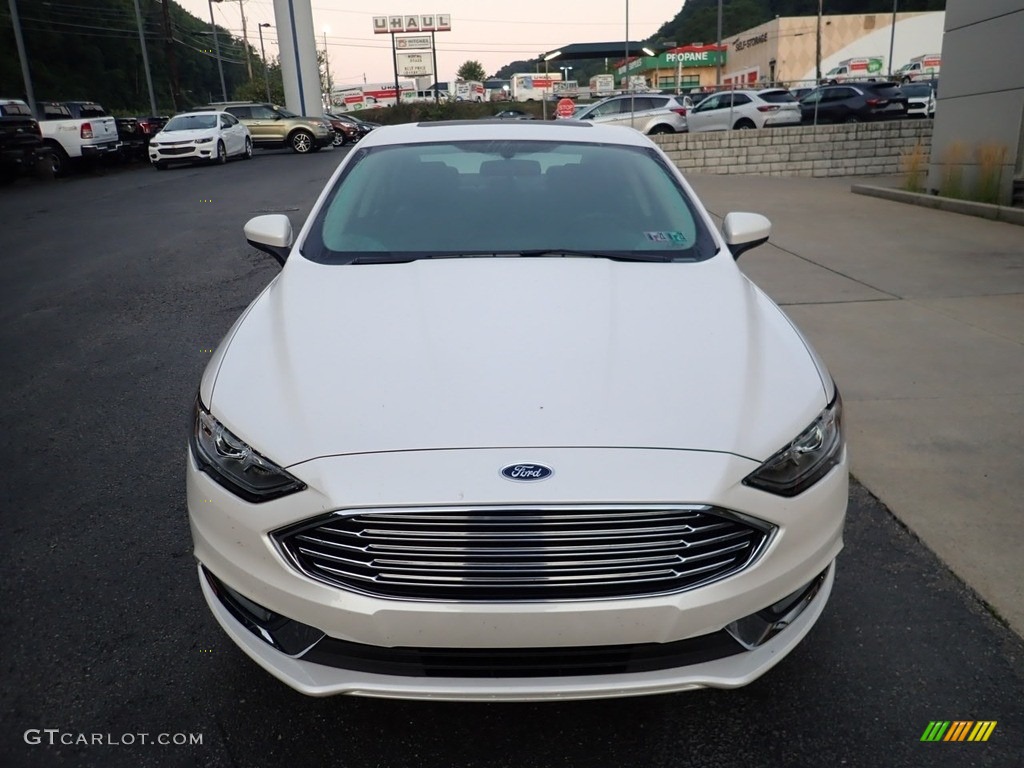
[135, 133]
[21, 142]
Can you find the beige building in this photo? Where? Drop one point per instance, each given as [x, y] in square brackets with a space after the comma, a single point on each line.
[784, 51]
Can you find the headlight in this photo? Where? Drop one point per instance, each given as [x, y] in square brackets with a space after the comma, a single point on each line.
[204, 141]
[807, 459]
[234, 464]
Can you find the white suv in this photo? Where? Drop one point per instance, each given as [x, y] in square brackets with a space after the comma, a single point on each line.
[648, 113]
[744, 109]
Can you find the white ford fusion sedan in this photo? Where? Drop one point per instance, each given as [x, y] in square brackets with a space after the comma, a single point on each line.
[511, 424]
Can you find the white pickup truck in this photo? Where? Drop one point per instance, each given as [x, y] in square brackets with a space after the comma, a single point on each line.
[73, 130]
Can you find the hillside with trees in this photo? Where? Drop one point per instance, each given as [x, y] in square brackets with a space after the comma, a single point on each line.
[89, 49]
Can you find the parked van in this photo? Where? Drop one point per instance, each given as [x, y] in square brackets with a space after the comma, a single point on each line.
[924, 67]
[860, 68]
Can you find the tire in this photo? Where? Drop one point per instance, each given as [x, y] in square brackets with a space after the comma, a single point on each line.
[222, 154]
[247, 152]
[59, 160]
[660, 129]
[744, 125]
[852, 119]
[338, 140]
[160, 165]
[301, 142]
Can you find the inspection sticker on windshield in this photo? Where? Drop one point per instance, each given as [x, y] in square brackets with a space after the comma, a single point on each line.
[666, 237]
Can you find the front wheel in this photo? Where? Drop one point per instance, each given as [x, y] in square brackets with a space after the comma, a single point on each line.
[222, 154]
[302, 142]
[338, 140]
[247, 153]
[160, 165]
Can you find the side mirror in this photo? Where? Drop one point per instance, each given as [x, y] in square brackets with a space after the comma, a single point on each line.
[271, 234]
[743, 231]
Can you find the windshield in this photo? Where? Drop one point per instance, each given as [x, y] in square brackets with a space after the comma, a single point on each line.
[485, 198]
[916, 89]
[190, 123]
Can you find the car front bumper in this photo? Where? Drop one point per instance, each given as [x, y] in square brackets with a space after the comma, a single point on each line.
[182, 153]
[240, 562]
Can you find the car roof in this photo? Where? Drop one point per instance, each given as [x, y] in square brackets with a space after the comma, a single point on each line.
[505, 130]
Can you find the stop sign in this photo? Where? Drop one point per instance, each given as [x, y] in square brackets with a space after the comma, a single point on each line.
[565, 108]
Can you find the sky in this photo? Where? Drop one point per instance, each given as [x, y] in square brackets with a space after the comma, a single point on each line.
[491, 32]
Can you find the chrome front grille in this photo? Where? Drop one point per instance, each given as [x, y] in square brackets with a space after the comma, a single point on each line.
[514, 554]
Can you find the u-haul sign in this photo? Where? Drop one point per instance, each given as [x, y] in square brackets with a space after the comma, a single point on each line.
[424, 22]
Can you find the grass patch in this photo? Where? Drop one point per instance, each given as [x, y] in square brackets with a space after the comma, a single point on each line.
[952, 162]
[991, 157]
[914, 164]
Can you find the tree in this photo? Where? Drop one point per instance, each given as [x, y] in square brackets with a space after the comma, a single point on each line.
[471, 70]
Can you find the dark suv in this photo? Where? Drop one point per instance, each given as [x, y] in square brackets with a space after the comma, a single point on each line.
[853, 103]
[272, 126]
[21, 142]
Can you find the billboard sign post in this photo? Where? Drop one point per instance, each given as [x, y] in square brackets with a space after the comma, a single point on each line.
[415, 24]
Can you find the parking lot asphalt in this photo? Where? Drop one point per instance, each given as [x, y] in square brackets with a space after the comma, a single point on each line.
[117, 287]
[920, 317]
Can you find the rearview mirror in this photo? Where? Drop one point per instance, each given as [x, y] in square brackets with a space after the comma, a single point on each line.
[271, 234]
[743, 231]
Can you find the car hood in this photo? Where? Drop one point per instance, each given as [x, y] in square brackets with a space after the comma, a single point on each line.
[507, 352]
[192, 135]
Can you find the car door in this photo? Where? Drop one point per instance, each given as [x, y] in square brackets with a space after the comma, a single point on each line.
[609, 112]
[835, 104]
[703, 116]
[636, 111]
[237, 132]
[740, 109]
[259, 120]
[224, 134]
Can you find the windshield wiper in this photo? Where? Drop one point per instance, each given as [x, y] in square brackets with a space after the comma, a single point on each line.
[406, 257]
[389, 258]
[613, 255]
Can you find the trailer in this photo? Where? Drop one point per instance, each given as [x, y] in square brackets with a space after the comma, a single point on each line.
[469, 90]
[602, 86]
[924, 67]
[372, 95]
[859, 68]
[533, 86]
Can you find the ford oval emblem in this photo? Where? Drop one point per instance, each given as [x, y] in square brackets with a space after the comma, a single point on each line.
[525, 473]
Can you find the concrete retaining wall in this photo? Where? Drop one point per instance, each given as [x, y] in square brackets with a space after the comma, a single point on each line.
[860, 149]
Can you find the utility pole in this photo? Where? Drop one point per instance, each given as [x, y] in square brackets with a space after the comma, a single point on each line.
[172, 62]
[20, 44]
[145, 58]
[245, 37]
[817, 54]
[263, 55]
[718, 71]
[327, 69]
[216, 50]
[892, 36]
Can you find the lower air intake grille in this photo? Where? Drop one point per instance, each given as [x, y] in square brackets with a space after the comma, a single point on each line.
[516, 554]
